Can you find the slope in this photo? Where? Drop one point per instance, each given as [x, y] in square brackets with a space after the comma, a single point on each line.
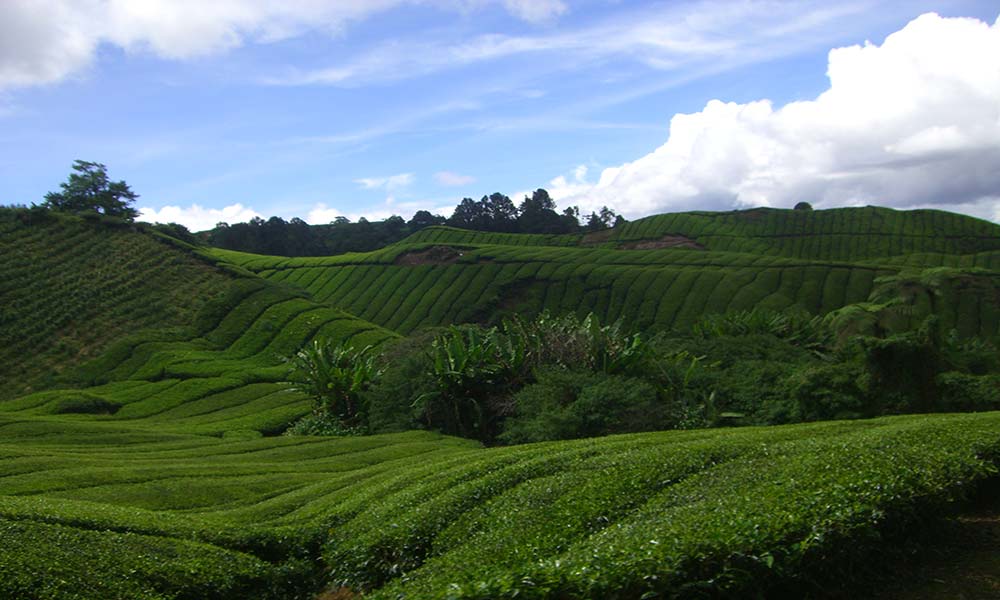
[69, 288]
[733, 512]
[180, 341]
[842, 234]
[442, 275]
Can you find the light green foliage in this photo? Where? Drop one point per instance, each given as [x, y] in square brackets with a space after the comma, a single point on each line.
[335, 377]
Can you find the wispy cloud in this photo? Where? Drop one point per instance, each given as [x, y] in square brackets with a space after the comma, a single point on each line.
[390, 183]
[664, 39]
[450, 179]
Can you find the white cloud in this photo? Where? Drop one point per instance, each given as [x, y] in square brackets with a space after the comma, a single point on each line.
[447, 178]
[536, 11]
[696, 37]
[392, 182]
[320, 214]
[197, 218]
[912, 122]
[44, 41]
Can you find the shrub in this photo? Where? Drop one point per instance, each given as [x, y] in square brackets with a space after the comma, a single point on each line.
[964, 392]
[569, 404]
[827, 392]
[335, 376]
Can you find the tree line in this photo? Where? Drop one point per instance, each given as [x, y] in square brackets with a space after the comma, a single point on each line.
[90, 192]
[495, 212]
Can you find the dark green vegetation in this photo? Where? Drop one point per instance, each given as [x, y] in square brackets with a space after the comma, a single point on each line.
[146, 462]
[753, 317]
[493, 213]
[142, 328]
[70, 287]
[89, 190]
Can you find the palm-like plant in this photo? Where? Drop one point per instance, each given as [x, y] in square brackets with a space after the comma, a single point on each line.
[335, 377]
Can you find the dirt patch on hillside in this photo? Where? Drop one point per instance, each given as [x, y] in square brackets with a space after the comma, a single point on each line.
[597, 237]
[435, 255]
[667, 241]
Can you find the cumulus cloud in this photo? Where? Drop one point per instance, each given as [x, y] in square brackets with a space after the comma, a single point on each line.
[320, 214]
[197, 218]
[390, 183]
[447, 178]
[912, 122]
[44, 41]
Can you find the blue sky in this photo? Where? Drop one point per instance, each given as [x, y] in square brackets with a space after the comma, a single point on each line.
[316, 109]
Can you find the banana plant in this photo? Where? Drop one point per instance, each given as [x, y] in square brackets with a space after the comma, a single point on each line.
[335, 377]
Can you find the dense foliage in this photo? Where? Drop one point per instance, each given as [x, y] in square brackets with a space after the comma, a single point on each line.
[562, 377]
[335, 376]
[494, 213]
[89, 190]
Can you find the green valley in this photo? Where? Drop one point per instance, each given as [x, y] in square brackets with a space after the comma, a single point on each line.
[742, 404]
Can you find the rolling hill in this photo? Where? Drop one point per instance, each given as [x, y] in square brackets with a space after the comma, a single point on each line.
[661, 272]
[144, 386]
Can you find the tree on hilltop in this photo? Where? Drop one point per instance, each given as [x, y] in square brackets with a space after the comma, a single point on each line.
[90, 190]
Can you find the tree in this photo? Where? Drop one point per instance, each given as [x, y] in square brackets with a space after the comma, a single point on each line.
[607, 218]
[90, 190]
[468, 214]
[501, 211]
[422, 219]
[803, 206]
[538, 215]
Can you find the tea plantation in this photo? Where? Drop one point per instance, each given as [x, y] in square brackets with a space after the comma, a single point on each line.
[145, 387]
[109, 510]
[809, 261]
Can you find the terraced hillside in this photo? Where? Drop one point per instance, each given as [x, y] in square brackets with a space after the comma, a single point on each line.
[842, 234]
[150, 470]
[181, 344]
[68, 288]
[171, 515]
[444, 275]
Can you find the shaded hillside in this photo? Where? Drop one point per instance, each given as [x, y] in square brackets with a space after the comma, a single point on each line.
[148, 465]
[69, 287]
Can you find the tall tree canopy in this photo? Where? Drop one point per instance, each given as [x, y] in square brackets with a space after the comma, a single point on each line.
[90, 190]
